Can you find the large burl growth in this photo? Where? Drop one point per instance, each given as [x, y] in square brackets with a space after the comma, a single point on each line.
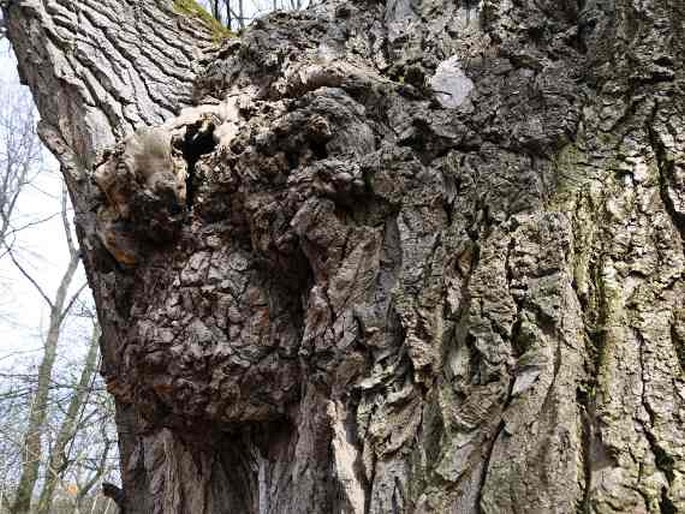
[405, 257]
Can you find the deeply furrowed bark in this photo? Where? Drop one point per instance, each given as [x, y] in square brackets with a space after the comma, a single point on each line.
[430, 258]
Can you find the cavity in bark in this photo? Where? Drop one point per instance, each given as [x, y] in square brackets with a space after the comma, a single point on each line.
[198, 141]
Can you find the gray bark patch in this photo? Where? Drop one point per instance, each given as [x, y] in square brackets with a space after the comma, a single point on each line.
[450, 83]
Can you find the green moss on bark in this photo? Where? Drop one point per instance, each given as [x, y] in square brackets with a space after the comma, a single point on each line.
[192, 8]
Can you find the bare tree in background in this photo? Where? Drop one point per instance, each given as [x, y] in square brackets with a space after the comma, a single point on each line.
[59, 306]
[237, 14]
[58, 460]
[49, 420]
[20, 155]
[227, 13]
[79, 437]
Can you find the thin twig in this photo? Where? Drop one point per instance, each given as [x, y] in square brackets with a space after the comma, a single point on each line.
[65, 222]
[73, 299]
[29, 278]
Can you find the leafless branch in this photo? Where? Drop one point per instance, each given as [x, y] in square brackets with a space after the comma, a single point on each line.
[28, 276]
[65, 221]
[73, 299]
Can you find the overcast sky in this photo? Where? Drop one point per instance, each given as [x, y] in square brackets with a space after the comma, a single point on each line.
[41, 249]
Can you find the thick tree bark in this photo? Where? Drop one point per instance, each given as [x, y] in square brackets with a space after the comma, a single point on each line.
[430, 255]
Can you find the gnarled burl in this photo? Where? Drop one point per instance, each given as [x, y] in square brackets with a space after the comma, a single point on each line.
[409, 257]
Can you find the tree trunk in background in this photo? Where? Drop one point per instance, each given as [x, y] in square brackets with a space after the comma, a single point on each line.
[32, 451]
[432, 257]
[59, 453]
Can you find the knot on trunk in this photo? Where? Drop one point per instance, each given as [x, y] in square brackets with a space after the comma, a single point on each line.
[147, 183]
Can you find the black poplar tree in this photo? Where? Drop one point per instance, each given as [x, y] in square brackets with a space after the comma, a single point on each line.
[400, 256]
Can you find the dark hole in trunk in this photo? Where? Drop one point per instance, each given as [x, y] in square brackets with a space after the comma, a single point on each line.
[198, 141]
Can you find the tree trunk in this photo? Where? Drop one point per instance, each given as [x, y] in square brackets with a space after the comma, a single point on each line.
[58, 459]
[32, 451]
[428, 256]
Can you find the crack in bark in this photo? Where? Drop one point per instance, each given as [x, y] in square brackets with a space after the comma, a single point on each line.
[593, 342]
[663, 461]
[486, 465]
[587, 437]
[665, 167]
